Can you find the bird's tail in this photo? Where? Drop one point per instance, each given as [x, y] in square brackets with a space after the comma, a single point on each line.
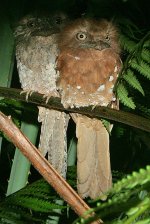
[53, 138]
[93, 158]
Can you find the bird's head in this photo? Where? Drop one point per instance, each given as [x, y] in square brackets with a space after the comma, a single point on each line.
[90, 33]
[40, 25]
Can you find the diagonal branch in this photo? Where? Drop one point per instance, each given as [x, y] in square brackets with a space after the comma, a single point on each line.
[98, 112]
[44, 167]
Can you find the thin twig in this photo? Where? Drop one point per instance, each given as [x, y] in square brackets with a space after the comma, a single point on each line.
[44, 167]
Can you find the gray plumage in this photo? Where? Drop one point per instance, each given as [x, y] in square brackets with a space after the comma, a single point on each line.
[36, 52]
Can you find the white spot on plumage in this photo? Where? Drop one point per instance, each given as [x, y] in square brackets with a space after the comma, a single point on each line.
[116, 69]
[78, 87]
[111, 78]
[111, 89]
[114, 99]
[101, 88]
[77, 58]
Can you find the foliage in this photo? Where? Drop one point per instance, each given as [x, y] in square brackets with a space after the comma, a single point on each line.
[32, 204]
[129, 200]
[136, 62]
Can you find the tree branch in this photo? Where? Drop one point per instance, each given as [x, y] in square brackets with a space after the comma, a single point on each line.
[98, 112]
[44, 167]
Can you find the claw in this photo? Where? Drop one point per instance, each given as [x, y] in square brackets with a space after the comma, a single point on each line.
[93, 106]
[28, 93]
[49, 95]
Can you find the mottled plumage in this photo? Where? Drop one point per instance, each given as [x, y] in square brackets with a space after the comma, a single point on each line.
[89, 65]
[36, 52]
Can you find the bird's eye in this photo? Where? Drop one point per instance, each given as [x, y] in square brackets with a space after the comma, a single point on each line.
[81, 36]
[107, 38]
[31, 24]
[58, 20]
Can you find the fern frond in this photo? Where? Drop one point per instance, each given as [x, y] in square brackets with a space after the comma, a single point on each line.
[143, 68]
[136, 178]
[145, 111]
[119, 131]
[133, 81]
[126, 198]
[147, 43]
[135, 212]
[145, 221]
[17, 216]
[127, 44]
[122, 94]
[107, 125]
[145, 54]
[29, 202]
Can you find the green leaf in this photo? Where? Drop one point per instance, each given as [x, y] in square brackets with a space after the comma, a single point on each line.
[146, 55]
[136, 178]
[144, 110]
[123, 96]
[133, 81]
[146, 221]
[147, 43]
[35, 202]
[127, 44]
[143, 68]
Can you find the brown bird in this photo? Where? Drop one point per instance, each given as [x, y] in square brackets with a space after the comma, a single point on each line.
[89, 65]
[36, 52]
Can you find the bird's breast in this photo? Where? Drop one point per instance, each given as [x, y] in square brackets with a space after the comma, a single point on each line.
[88, 73]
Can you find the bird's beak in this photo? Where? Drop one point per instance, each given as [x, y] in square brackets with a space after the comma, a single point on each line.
[46, 31]
[98, 45]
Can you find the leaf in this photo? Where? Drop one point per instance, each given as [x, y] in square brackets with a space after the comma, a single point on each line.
[145, 55]
[26, 204]
[107, 125]
[133, 81]
[143, 68]
[123, 96]
[124, 199]
[147, 43]
[127, 44]
[144, 110]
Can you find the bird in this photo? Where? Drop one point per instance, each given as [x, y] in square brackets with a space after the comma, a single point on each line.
[36, 52]
[89, 63]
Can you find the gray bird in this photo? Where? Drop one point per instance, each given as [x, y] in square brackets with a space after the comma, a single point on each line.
[36, 52]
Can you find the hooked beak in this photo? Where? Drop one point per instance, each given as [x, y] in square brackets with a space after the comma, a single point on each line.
[102, 45]
[98, 45]
[47, 31]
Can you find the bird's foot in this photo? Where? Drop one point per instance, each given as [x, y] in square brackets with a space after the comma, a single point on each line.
[50, 94]
[93, 106]
[27, 92]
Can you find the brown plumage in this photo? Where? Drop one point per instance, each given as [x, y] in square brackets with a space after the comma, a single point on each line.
[89, 65]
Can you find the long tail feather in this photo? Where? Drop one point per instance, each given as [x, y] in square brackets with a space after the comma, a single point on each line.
[93, 158]
[53, 138]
